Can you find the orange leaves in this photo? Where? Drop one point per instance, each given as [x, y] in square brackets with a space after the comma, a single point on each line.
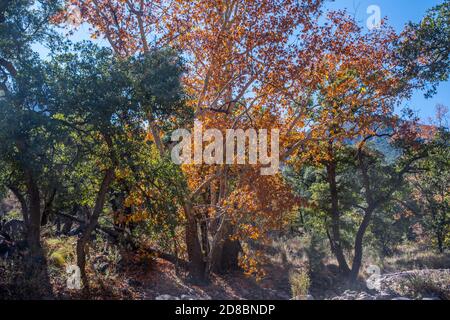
[128, 25]
[356, 86]
[263, 64]
[234, 47]
[251, 264]
[259, 203]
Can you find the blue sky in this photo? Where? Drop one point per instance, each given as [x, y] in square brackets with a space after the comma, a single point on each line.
[398, 13]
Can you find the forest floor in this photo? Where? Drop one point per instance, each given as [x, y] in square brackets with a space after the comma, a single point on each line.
[412, 272]
[117, 274]
[135, 276]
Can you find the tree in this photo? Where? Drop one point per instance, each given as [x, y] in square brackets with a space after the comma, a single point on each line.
[104, 99]
[234, 50]
[355, 93]
[431, 187]
[423, 49]
[367, 183]
[352, 102]
[29, 135]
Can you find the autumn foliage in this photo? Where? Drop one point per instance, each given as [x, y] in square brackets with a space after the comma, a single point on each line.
[329, 86]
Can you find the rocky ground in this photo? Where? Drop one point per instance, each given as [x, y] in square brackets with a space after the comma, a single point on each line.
[407, 285]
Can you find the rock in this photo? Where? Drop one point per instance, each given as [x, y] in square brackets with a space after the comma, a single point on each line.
[188, 297]
[365, 296]
[353, 295]
[401, 299]
[307, 297]
[166, 297]
[394, 283]
[431, 299]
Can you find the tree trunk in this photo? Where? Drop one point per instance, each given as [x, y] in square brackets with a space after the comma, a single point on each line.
[440, 245]
[48, 208]
[204, 235]
[37, 264]
[214, 261]
[442, 229]
[357, 260]
[23, 203]
[440, 242]
[336, 244]
[85, 236]
[195, 254]
[155, 133]
[224, 252]
[34, 223]
[230, 255]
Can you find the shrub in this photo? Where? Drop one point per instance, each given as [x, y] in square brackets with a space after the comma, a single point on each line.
[57, 259]
[300, 284]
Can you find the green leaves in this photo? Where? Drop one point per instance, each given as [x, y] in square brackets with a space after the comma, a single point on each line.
[424, 50]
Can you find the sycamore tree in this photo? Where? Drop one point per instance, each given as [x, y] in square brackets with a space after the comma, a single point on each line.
[238, 56]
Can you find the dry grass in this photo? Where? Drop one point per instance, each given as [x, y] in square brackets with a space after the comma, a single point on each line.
[300, 284]
[430, 285]
[409, 257]
[60, 251]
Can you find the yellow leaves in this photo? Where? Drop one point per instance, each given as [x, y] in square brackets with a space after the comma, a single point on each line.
[139, 216]
[251, 264]
[250, 231]
[129, 202]
[149, 137]
[122, 174]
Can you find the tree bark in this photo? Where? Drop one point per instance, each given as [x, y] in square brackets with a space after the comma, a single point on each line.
[34, 211]
[357, 260]
[230, 255]
[195, 254]
[37, 264]
[224, 252]
[23, 203]
[336, 244]
[48, 208]
[155, 133]
[92, 224]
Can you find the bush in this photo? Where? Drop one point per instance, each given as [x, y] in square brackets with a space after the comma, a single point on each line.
[300, 284]
[57, 259]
